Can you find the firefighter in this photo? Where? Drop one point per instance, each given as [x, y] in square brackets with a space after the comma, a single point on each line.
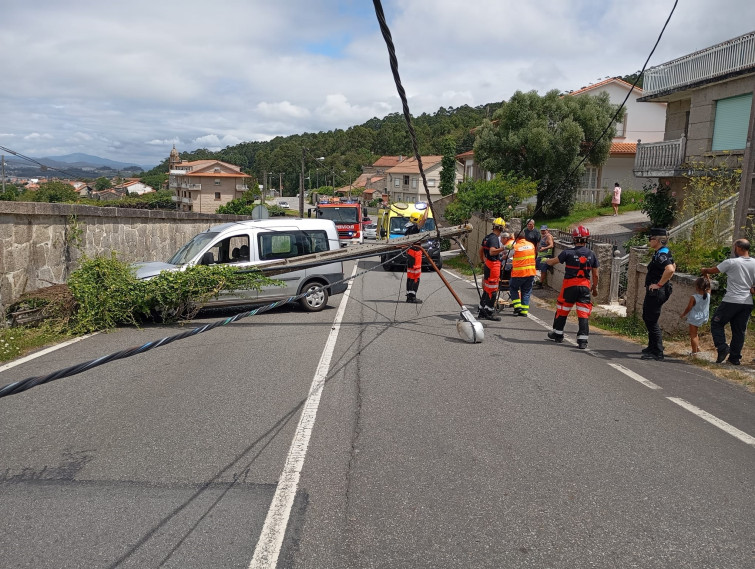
[522, 275]
[414, 257]
[490, 254]
[580, 268]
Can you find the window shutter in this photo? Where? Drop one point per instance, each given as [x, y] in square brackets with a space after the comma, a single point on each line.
[732, 120]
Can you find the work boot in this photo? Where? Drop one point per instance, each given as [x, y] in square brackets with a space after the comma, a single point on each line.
[647, 350]
[490, 315]
[582, 344]
[413, 299]
[558, 338]
[722, 353]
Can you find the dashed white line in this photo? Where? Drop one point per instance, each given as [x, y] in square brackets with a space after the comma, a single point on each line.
[713, 420]
[635, 376]
[271, 539]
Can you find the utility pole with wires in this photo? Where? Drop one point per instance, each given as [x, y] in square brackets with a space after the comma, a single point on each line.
[301, 184]
[2, 159]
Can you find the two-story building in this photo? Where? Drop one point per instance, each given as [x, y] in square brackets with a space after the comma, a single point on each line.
[641, 122]
[710, 116]
[204, 185]
[404, 183]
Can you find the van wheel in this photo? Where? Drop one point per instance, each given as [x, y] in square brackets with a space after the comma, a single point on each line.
[316, 299]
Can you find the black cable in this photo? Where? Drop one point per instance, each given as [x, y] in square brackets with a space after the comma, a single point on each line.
[25, 384]
[43, 166]
[404, 102]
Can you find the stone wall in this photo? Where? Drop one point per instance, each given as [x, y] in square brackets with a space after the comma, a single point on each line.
[42, 244]
[683, 287]
[604, 252]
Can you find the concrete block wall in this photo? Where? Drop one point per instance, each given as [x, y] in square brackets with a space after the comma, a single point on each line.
[604, 252]
[42, 244]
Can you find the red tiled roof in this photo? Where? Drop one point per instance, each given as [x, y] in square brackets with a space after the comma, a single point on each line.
[387, 161]
[601, 83]
[623, 148]
[410, 166]
[467, 154]
[217, 174]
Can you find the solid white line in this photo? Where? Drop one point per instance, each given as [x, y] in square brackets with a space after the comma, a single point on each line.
[35, 355]
[635, 376]
[713, 420]
[271, 539]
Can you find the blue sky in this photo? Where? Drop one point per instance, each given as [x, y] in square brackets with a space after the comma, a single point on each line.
[127, 81]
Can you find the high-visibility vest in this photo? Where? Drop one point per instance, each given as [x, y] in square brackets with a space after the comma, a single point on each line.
[524, 259]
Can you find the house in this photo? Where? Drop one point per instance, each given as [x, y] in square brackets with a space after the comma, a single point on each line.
[641, 122]
[709, 117]
[404, 182]
[135, 187]
[204, 185]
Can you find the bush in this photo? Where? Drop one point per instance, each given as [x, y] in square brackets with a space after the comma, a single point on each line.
[107, 294]
[659, 204]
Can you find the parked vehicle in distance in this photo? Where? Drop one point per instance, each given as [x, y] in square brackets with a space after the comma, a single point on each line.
[370, 231]
[283, 204]
[257, 242]
[392, 223]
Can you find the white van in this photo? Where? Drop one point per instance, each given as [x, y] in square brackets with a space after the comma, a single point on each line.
[255, 242]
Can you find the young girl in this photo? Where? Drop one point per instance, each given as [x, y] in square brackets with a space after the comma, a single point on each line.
[697, 311]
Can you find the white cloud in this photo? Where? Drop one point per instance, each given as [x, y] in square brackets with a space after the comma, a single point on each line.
[92, 80]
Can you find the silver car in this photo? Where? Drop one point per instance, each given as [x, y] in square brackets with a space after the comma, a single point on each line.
[370, 231]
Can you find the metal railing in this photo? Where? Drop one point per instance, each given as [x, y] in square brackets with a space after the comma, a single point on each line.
[591, 195]
[720, 215]
[666, 156]
[727, 57]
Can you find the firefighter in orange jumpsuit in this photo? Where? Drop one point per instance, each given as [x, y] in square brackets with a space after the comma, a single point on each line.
[490, 254]
[414, 257]
[581, 267]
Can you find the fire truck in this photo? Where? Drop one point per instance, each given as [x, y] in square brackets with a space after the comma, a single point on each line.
[347, 215]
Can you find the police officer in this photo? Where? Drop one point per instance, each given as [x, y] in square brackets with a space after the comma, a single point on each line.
[580, 267]
[490, 255]
[414, 257]
[657, 290]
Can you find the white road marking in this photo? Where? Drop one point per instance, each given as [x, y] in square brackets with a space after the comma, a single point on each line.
[635, 376]
[35, 355]
[713, 420]
[271, 539]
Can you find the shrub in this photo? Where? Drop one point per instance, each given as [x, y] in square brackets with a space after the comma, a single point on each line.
[107, 294]
[659, 204]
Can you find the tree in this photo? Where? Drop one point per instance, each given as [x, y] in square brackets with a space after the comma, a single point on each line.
[53, 192]
[545, 139]
[448, 172]
[10, 194]
[489, 198]
[102, 183]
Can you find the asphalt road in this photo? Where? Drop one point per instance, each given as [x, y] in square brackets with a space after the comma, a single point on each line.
[425, 451]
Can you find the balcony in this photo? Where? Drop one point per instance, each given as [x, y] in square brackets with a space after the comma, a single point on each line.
[726, 59]
[180, 199]
[656, 159]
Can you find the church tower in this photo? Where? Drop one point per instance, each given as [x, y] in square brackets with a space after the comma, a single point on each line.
[174, 159]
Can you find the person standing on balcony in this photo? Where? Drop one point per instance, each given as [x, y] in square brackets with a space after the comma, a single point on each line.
[616, 200]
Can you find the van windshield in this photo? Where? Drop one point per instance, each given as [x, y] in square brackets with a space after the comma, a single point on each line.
[398, 225]
[339, 214]
[192, 248]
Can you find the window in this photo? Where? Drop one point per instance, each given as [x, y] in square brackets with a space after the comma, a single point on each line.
[217, 170]
[217, 196]
[621, 127]
[396, 183]
[431, 182]
[282, 245]
[406, 180]
[414, 183]
[217, 182]
[589, 178]
[732, 121]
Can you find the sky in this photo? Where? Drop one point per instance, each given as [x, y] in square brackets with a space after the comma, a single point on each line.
[129, 80]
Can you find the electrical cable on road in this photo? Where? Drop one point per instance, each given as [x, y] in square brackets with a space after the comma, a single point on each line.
[26, 384]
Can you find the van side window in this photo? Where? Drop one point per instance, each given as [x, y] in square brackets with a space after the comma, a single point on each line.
[285, 244]
[234, 249]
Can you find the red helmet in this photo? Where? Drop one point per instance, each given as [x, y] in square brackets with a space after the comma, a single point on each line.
[580, 232]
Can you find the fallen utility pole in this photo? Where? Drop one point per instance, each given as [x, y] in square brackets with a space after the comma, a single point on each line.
[354, 252]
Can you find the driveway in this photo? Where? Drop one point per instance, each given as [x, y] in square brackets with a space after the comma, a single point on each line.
[617, 229]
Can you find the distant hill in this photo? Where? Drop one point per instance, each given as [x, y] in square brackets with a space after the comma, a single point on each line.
[80, 160]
